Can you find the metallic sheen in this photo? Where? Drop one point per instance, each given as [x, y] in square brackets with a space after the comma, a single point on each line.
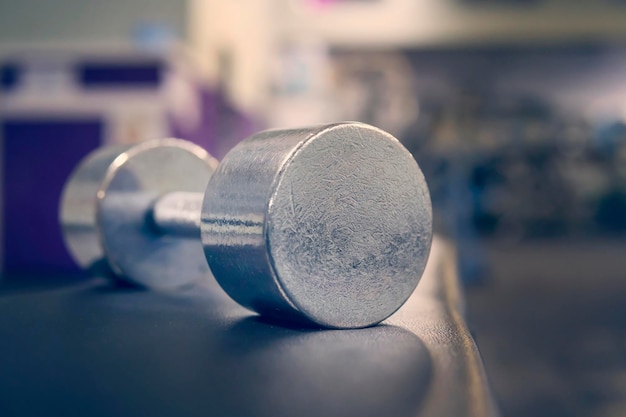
[329, 224]
[178, 213]
[108, 205]
[78, 205]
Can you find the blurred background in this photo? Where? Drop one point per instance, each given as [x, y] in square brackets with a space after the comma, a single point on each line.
[515, 110]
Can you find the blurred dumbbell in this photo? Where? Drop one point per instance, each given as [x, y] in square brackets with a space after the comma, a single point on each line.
[330, 225]
[108, 207]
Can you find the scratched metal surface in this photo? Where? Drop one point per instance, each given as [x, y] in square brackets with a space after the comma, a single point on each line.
[97, 350]
[334, 222]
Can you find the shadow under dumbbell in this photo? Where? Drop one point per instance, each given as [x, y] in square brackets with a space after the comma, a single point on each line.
[273, 370]
[112, 283]
[99, 350]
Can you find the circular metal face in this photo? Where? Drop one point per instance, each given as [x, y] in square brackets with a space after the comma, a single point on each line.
[78, 205]
[133, 245]
[349, 226]
[332, 224]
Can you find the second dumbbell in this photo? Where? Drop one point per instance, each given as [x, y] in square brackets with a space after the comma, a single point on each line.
[111, 203]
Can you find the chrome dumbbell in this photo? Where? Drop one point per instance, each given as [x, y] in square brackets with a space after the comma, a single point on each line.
[331, 224]
[109, 204]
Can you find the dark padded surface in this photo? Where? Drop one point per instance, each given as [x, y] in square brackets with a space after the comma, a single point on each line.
[97, 350]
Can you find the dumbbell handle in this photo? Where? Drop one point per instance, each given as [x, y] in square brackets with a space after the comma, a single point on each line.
[178, 213]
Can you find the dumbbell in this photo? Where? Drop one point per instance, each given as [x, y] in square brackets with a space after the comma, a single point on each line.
[329, 225]
[108, 210]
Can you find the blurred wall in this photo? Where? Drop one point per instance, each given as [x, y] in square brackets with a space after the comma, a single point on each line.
[234, 42]
[256, 50]
[412, 23]
[111, 21]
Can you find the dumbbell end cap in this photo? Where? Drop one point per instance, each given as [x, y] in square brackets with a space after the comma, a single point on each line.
[328, 224]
